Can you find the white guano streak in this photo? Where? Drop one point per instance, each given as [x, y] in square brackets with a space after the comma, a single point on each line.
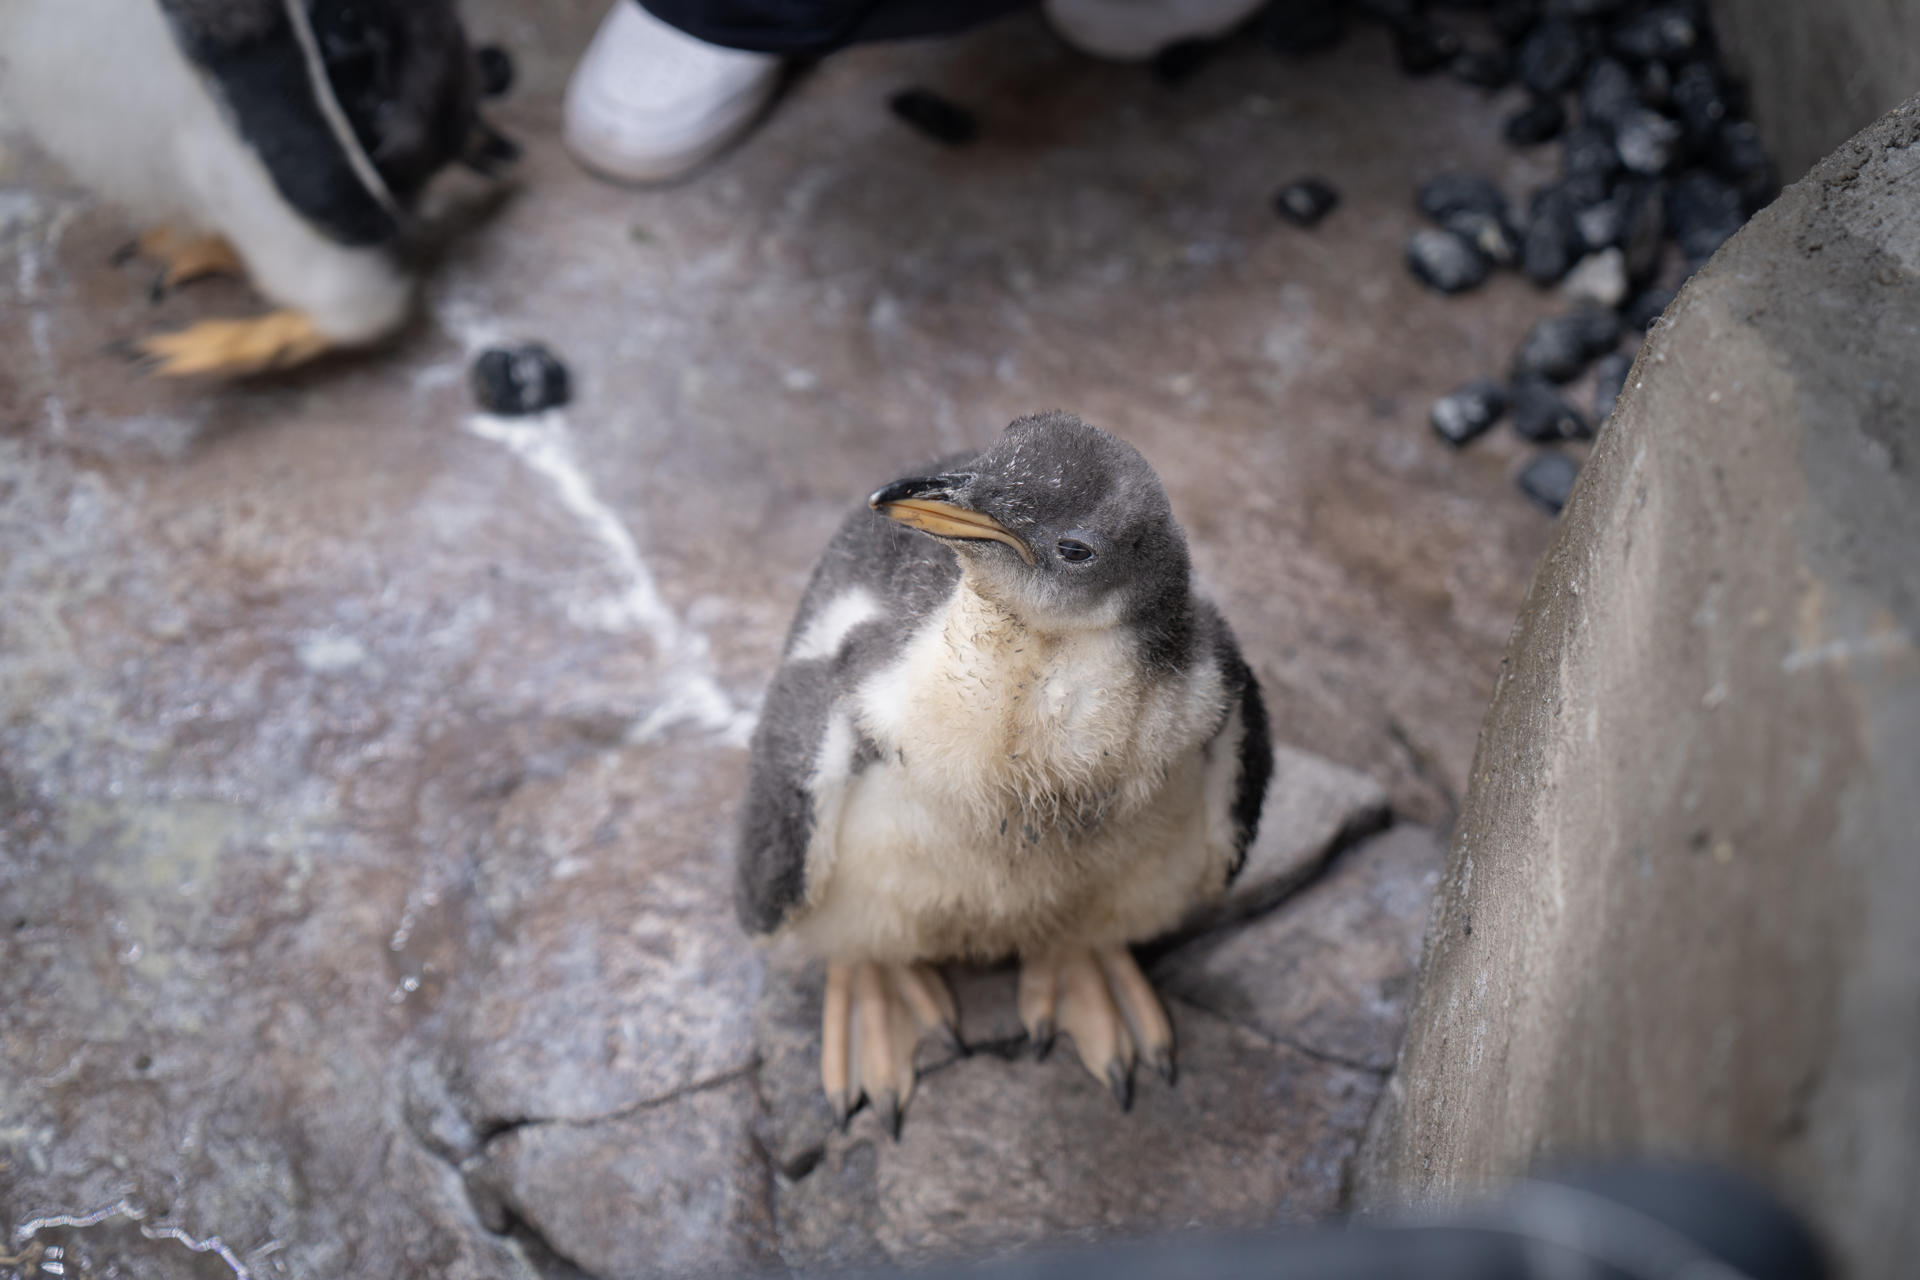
[692, 694]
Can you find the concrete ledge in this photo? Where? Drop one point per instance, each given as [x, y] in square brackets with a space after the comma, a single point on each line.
[1678, 913]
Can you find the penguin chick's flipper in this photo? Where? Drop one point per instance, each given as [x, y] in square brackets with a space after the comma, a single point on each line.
[873, 1019]
[1101, 999]
[187, 256]
[233, 348]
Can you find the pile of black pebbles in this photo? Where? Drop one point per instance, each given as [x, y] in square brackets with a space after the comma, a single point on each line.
[1658, 167]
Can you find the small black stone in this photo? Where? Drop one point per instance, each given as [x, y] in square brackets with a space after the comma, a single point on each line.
[1598, 328]
[1305, 201]
[1656, 86]
[1698, 103]
[1603, 225]
[1460, 192]
[1483, 68]
[1667, 33]
[1552, 349]
[1647, 141]
[1704, 213]
[1444, 261]
[944, 121]
[1468, 411]
[1547, 251]
[1423, 47]
[495, 67]
[1301, 27]
[1551, 58]
[1609, 379]
[1540, 412]
[512, 381]
[1548, 478]
[1181, 61]
[1512, 19]
[1497, 242]
[1588, 150]
[1608, 93]
[1646, 307]
[1537, 122]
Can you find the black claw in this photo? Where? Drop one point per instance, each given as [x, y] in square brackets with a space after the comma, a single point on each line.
[1163, 1063]
[1120, 1080]
[837, 1103]
[1042, 1035]
[889, 1108]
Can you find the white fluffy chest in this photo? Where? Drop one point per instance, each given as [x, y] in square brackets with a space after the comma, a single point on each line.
[1025, 787]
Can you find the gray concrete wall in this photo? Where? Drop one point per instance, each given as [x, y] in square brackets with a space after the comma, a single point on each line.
[1682, 906]
[1821, 70]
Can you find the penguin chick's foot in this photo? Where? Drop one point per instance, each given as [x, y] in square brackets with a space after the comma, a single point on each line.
[185, 257]
[1100, 998]
[874, 1017]
[233, 348]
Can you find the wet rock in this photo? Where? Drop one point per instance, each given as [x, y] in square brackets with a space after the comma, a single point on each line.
[1460, 192]
[1599, 277]
[1491, 236]
[1540, 412]
[1559, 347]
[1552, 57]
[1609, 378]
[512, 381]
[1444, 261]
[1548, 249]
[1305, 201]
[943, 120]
[1588, 152]
[1301, 27]
[1332, 970]
[1548, 478]
[1483, 68]
[1704, 213]
[1422, 46]
[1647, 141]
[1645, 307]
[1666, 34]
[1539, 121]
[1464, 414]
[1608, 93]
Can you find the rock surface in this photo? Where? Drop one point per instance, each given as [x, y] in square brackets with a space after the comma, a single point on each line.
[367, 764]
[1678, 911]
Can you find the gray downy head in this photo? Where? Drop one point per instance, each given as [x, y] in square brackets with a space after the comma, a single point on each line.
[1065, 527]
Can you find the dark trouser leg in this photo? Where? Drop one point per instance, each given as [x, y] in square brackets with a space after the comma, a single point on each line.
[815, 27]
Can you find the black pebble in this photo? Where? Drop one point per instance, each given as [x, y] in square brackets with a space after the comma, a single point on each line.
[1551, 58]
[1305, 201]
[1444, 261]
[1547, 251]
[1704, 213]
[1540, 412]
[1301, 27]
[943, 121]
[1537, 122]
[1656, 85]
[1454, 192]
[1423, 47]
[1559, 347]
[512, 381]
[1647, 141]
[1468, 411]
[1548, 478]
[1483, 68]
[1740, 157]
[1699, 103]
[1603, 225]
[1587, 152]
[1646, 307]
[1666, 34]
[1609, 379]
[1512, 19]
[496, 70]
[1495, 240]
[1608, 93]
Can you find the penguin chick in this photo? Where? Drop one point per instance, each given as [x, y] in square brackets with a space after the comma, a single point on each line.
[285, 138]
[1003, 724]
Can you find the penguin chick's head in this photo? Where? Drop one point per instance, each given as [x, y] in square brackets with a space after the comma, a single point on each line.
[1062, 524]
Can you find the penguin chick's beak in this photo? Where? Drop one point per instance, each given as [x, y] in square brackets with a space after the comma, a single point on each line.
[928, 504]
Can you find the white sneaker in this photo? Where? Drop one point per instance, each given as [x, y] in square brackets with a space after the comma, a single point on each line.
[1136, 30]
[648, 102]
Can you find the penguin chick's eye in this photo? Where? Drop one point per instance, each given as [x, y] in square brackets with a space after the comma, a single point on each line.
[1073, 550]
